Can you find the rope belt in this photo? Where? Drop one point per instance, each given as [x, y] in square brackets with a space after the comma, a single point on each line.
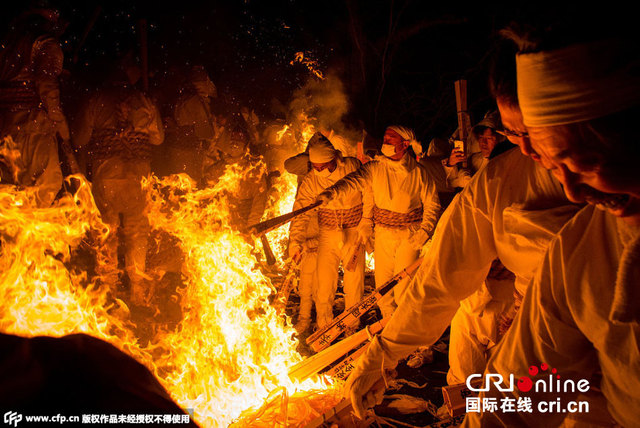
[127, 146]
[394, 220]
[340, 219]
[18, 95]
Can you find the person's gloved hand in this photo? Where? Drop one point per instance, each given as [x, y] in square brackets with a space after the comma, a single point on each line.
[365, 386]
[295, 251]
[418, 239]
[311, 244]
[365, 391]
[365, 232]
[324, 197]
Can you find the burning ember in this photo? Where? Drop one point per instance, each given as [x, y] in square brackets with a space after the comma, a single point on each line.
[229, 355]
[311, 64]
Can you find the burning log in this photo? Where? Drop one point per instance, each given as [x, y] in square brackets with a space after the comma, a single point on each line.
[268, 252]
[314, 364]
[323, 337]
[282, 297]
[267, 225]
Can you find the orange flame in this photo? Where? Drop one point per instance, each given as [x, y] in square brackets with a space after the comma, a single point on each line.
[39, 293]
[228, 357]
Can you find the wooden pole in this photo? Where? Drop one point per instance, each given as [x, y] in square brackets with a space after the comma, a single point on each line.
[322, 338]
[464, 120]
[272, 223]
[319, 361]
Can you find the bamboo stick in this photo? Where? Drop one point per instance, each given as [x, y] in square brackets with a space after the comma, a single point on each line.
[322, 338]
[317, 362]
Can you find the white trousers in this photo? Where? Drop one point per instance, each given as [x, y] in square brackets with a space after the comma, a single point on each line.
[307, 287]
[393, 252]
[117, 200]
[334, 247]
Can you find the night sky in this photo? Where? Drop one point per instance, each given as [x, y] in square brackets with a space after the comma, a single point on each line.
[397, 59]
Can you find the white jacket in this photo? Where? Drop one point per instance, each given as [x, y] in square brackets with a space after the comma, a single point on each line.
[566, 321]
[400, 186]
[510, 210]
[312, 185]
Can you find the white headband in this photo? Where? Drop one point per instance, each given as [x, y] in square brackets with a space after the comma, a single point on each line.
[320, 149]
[407, 134]
[577, 83]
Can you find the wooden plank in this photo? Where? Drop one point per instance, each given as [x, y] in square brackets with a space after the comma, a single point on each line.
[455, 397]
[464, 120]
[317, 362]
[322, 338]
[356, 253]
[343, 369]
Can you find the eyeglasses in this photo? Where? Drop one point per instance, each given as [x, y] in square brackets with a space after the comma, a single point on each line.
[509, 133]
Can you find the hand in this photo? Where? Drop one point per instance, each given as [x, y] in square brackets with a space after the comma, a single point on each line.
[365, 232]
[418, 239]
[365, 390]
[295, 251]
[456, 157]
[324, 197]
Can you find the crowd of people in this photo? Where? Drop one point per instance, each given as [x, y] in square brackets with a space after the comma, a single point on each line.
[535, 261]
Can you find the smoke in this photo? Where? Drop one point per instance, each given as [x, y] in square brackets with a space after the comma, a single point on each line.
[324, 104]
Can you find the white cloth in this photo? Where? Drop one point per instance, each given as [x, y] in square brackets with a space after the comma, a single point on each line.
[564, 322]
[578, 83]
[393, 251]
[475, 328]
[400, 186]
[334, 245]
[407, 134]
[307, 287]
[320, 149]
[312, 185]
[472, 233]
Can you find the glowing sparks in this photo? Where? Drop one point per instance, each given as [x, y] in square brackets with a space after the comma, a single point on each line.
[311, 64]
[282, 132]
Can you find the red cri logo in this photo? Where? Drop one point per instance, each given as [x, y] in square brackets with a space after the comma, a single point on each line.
[525, 383]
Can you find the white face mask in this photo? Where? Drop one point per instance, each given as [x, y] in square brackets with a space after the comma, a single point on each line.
[325, 173]
[388, 150]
